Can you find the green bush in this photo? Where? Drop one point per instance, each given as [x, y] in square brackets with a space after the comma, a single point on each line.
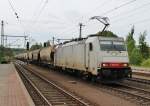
[136, 57]
[146, 63]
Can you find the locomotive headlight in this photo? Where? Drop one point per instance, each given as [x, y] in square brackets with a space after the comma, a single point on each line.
[105, 64]
[125, 64]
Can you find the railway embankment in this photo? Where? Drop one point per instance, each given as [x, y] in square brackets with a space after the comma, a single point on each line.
[140, 68]
[140, 72]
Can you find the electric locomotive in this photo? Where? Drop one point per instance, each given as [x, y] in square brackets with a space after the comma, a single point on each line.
[103, 58]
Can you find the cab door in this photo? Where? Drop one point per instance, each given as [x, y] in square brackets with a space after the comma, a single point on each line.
[89, 56]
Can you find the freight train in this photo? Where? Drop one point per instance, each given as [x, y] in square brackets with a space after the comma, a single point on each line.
[93, 57]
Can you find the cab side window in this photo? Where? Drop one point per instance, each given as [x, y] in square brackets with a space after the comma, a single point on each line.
[90, 46]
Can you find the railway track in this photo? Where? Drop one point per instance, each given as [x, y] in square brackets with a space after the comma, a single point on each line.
[129, 91]
[139, 83]
[141, 96]
[144, 81]
[132, 92]
[46, 93]
[37, 97]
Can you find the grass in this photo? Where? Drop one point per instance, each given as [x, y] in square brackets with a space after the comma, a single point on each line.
[146, 63]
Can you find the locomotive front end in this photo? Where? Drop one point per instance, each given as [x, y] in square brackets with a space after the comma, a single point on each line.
[113, 59]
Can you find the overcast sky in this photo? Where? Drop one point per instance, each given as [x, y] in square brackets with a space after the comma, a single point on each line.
[43, 19]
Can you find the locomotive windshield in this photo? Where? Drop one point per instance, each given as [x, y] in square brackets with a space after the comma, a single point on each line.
[112, 46]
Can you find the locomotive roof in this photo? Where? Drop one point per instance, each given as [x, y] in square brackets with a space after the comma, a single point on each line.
[90, 39]
[74, 42]
[111, 38]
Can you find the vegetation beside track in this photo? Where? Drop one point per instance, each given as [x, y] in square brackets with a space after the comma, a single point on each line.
[139, 54]
[6, 54]
[144, 64]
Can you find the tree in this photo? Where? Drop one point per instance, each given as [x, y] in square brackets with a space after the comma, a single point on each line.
[144, 49]
[36, 46]
[130, 41]
[136, 57]
[48, 43]
[130, 46]
[1, 53]
[107, 34]
[5, 54]
[130, 35]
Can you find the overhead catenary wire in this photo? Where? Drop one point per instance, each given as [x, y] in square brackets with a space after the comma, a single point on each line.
[36, 18]
[104, 12]
[127, 13]
[131, 16]
[109, 11]
[94, 9]
[40, 11]
[142, 21]
[38, 7]
[118, 7]
[35, 12]
[10, 3]
[102, 4]
[42, 7]
[16, 14]
[13, 9]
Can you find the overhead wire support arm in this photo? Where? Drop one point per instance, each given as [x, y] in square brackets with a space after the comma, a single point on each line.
[16, 36]
[64, 39]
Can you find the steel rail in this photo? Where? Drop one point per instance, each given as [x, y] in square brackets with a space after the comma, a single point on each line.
[144, 81]
[46, 102]
[134, 91]
[76, 100]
